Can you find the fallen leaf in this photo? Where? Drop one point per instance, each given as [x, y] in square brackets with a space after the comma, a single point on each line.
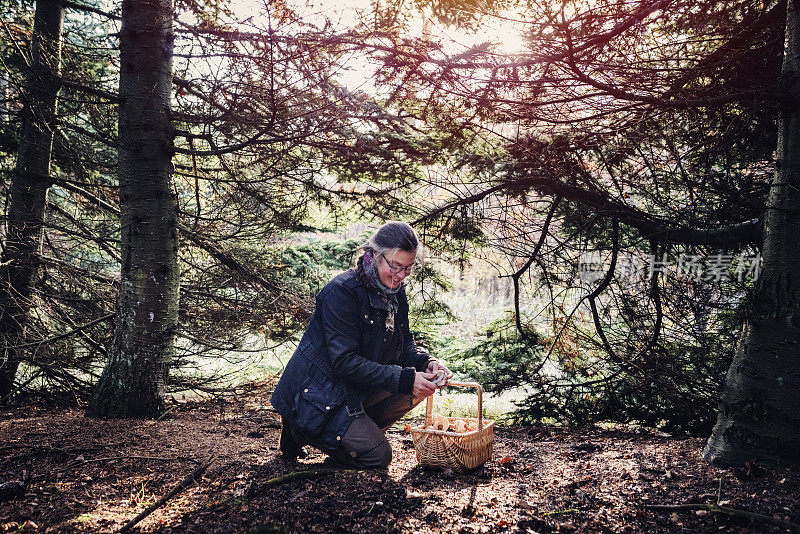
[505, 460]
[525, 505]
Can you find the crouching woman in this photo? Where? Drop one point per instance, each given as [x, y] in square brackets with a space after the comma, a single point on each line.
[357, 369]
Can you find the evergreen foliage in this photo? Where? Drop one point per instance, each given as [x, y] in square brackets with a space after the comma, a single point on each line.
[574, 385]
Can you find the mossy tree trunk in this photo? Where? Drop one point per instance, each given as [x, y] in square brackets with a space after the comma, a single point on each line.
[759, 414]
[19, 263]
[134, 378]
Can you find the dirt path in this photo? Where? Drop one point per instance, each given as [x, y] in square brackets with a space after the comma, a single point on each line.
[94, 476]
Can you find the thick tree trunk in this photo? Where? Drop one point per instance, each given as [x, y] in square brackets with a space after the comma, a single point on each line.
[29, 185]
[132, 383]
[3, 100]
[759, 416]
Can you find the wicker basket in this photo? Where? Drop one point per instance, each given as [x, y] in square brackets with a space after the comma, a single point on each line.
[458, 451]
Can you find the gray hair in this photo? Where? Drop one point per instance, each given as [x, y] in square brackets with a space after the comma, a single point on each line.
[393, 235]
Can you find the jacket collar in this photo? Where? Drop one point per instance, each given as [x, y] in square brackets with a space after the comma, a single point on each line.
[374, 296]
[375, 299]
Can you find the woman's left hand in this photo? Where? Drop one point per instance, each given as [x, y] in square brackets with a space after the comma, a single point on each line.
[434, 366]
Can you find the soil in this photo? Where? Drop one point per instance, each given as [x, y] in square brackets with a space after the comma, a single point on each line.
[90, 475]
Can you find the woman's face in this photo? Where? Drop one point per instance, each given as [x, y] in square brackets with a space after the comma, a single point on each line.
[395, 260]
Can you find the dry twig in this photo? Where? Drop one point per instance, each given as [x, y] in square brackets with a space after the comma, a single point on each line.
[174, 491]
[112, 458]
[296, 475]
[724, 510]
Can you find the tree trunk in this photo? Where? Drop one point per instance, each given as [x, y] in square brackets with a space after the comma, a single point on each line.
[133, 381]
[29, 184]
[4, 117]
[759, 414]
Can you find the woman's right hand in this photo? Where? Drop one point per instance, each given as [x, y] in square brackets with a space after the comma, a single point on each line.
[423, 385]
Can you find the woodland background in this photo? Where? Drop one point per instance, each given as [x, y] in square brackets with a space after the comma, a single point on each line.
[607, 192]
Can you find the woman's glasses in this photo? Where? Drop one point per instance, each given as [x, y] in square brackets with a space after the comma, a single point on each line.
[396, 268]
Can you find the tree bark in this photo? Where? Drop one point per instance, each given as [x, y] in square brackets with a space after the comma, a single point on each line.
[29, 184]
[759, 413]
[134, 378]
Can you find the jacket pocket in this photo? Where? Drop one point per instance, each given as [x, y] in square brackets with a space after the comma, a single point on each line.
[313, 409]
[366, 319]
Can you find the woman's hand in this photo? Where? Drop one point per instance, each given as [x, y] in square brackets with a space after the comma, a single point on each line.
[435, 366]
[423, 385]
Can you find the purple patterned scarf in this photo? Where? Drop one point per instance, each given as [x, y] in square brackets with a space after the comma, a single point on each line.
[369, 267]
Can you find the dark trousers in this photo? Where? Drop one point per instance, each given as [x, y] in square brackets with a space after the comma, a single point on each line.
[364, 445]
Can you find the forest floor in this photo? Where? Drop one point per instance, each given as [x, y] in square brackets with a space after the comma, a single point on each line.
[89, 475]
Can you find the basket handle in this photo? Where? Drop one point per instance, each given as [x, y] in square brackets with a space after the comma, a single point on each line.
[429, 405]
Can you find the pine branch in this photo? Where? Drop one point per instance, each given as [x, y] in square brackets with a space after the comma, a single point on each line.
[90, 9]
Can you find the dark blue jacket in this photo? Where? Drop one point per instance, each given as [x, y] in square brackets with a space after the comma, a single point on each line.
[338, 361]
